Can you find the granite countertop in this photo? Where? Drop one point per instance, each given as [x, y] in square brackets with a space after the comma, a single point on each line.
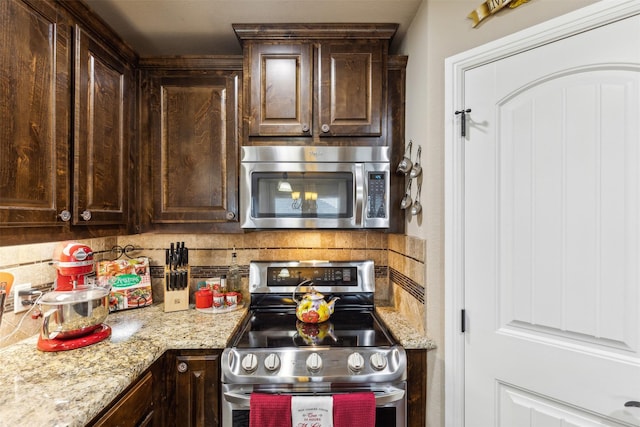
[69, 388]
[401, 329]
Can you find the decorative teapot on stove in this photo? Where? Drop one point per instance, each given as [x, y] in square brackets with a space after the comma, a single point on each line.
[312, 308]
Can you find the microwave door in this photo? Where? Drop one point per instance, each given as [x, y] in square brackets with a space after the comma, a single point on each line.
[301, 195]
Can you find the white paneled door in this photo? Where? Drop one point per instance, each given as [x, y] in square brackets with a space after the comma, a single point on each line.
[552, 233]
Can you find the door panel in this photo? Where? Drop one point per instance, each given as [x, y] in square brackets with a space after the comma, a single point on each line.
[527, 409]
[33, 123]
[552, 240]
[280, 101]
[350, 88]
[195, 156]
[101, 131]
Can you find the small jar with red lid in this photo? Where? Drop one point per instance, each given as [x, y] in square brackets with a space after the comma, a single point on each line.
[204, 296]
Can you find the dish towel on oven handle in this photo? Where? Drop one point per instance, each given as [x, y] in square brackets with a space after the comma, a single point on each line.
[354, 410]
[269, 410]
[312, 411]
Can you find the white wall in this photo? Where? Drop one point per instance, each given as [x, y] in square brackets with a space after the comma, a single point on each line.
[440, 29]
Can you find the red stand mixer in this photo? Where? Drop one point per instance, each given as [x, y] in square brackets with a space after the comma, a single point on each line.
[73, 311]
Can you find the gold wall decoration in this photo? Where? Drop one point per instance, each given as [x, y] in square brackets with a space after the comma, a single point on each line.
[489, 7]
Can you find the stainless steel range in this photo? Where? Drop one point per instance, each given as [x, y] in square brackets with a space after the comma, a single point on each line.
[276, 353]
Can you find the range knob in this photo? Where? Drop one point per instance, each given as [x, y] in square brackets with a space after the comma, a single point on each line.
[272, 362]
[249, 363]
[355, 362]
[378, 361]
[314, 362]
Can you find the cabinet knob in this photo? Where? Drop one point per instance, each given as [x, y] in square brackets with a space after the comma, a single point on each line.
[230, 215]
[183, 367]
[65, 215]
[305, 127]
[86, 215]
[325, 128]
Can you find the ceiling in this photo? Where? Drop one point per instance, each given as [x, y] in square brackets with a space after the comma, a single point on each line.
[203, 27]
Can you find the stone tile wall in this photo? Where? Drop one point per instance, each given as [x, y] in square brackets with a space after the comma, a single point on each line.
[399, 263]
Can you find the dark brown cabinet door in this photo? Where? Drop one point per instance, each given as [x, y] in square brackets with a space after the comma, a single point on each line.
[197, 390]
[280, 97]
[193, 132]
[33, 116]
[134, 409]
[350, 88]
[101, 135]
[416, 387]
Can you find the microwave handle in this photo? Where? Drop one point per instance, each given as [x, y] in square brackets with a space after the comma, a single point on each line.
[359, 196]
[381, 399]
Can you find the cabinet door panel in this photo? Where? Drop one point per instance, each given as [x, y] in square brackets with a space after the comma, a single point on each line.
[196, 392]
[281, 90]
[32, 168]
[100, 144]
[351, 89]
[134, 409]
[196, 153]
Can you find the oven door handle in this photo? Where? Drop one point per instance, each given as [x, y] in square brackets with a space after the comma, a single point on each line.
[381, 399]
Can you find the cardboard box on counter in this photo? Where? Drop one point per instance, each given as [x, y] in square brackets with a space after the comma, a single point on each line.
[130, 281]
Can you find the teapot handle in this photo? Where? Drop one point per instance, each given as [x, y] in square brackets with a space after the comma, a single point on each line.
[304, 282]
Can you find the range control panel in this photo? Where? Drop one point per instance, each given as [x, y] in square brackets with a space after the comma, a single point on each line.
[321, 276]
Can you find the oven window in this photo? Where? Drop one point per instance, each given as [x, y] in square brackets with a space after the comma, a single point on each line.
[302, 195]
[385, 417]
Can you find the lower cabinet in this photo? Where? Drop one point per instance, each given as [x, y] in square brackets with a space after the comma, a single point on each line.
[182, 388]
[416, 387]
[195, 397]
[140, 405]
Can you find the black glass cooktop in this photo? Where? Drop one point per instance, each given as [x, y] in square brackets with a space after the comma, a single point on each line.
[345, 328]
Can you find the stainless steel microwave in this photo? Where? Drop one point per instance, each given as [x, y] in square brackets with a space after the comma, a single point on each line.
[314, 187]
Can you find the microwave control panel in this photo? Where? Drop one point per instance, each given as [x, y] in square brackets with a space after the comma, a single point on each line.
[376, 202]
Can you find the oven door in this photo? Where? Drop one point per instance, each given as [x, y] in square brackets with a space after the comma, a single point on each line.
[314, 195]
[391, 402]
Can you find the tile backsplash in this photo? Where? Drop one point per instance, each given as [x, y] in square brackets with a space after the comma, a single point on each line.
[399, 260]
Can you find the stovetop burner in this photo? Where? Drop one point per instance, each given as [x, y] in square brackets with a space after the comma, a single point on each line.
[346, 328]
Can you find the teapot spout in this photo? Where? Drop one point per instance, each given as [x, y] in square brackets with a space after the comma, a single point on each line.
[331, 304]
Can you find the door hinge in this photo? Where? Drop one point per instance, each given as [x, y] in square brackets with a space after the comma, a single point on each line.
[463, 320]
[463, 121]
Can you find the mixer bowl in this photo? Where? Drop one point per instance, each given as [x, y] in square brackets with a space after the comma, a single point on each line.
[72, 314]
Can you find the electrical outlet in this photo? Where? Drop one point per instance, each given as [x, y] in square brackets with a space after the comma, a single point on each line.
[17, 299]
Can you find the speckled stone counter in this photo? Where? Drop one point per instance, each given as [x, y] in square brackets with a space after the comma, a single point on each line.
[402, 331]
[69, 388]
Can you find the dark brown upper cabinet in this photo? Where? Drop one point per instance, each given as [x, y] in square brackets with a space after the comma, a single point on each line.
[311, 82]
[34, 105]
[66, 116]
[101, 134]
[189, 140]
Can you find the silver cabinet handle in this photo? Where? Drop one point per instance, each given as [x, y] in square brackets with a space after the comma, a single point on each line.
[230, 215]
[65, 215]
[86, 215]
[182, 367]
[325, 128]
[305, 127]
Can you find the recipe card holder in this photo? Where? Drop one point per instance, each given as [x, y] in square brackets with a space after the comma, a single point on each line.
[176, 296]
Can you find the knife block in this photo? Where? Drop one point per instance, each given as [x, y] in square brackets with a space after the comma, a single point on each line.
[176, 299]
